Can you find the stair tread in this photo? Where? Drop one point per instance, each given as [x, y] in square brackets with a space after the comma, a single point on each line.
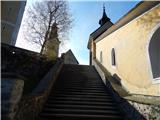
[85, 96]
[78, 90]
[98, 89]
[78, 87]
[80, 93]
[80, 99]
[80, 106]
[81, 102]
[82, 115]
[80, 111]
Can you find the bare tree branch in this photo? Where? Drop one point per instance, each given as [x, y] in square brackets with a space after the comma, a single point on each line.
[41, 16]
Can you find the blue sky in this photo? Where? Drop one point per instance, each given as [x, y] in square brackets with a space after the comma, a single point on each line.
[86, 16]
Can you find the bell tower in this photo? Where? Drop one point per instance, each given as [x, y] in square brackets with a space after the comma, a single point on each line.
[52, 45]
[104, 18]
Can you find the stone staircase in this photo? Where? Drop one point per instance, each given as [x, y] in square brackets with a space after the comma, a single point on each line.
[79, 94]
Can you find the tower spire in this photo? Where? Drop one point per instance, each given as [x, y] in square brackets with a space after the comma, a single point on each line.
[104, 18]
[103, 8]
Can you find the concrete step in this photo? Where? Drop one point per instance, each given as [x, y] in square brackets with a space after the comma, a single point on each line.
[82, 84]
[81, 111]
[81, 96]
[86, 89]
[88, 107]
[79, 99]
[81, 90]
[84, 79]
[59, 116]
[95, 81]
[80, 93]
[70, 81]
[80, 87]
[72, 102]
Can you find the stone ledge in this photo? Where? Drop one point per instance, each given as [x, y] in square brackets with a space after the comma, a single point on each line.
[31, 105]
[135, 107]
[49, 79]
[12, 75]
[115, 82]
[144, 99]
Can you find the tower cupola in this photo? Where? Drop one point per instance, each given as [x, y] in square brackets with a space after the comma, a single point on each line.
[104, 18]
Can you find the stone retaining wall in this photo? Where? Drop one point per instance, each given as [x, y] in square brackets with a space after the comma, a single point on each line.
[27, 106]
[150, 112]
[12, 90]
[31, 105]
[31, 65]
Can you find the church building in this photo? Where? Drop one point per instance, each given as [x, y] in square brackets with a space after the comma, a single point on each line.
[130, 48]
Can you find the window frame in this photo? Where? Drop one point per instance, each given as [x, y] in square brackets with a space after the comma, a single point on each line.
[113, 57]
[101, 57]
[154, 80]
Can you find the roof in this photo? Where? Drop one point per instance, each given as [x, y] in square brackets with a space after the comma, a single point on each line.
[139, 9]
[104, 18]
[70, 54]
[100, 30]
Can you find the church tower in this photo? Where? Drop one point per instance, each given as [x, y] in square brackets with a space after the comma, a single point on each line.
[52, 44]
[104, 18]
[105, 24]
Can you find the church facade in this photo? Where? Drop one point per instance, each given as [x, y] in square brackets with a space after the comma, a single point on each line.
[130, 48]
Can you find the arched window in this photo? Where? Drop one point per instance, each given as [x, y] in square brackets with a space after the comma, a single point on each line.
[154, 53]
[101, 59]
[94, 50]
[113, 58]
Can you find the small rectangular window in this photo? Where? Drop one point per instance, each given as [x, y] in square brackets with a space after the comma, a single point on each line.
[113, 57]
[101, 59]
